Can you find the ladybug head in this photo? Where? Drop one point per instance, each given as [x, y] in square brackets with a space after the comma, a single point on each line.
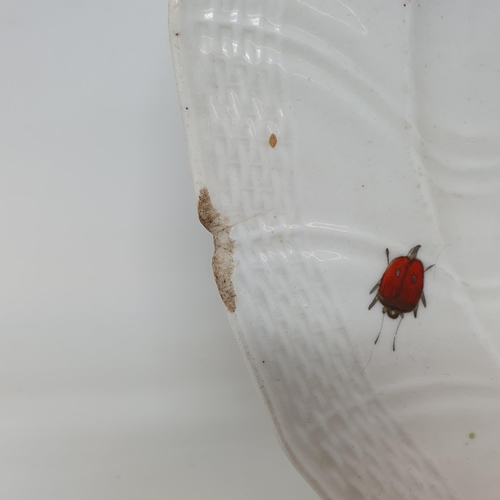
[392, 312]
[413, 252]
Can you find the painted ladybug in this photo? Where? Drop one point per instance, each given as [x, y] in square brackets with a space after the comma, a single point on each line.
[401, 288]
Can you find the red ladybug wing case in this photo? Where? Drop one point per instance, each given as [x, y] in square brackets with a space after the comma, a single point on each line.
[391, 281]
[413, 284]
[402, 284]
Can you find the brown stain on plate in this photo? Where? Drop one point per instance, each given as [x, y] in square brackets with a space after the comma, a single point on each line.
[223, 259]
[273, 140]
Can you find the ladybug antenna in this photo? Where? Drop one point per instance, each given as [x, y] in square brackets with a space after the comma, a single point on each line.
[380, 331]
[413, 252]
[394, 341]
[387, 255]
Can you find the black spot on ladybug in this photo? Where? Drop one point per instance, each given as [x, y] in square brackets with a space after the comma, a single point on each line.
[398, 272]
[413, 278]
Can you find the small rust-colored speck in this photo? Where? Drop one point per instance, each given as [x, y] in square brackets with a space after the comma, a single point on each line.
[223, 259]
[273, 140]
[177, 34]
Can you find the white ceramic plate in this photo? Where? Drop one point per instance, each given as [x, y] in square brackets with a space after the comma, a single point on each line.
[320, 133]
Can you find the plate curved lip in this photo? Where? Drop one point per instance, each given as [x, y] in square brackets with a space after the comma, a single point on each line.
[173, 28]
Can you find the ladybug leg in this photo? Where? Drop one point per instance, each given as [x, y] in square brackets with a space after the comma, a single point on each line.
[375, 287]
[422, 298]
[394, 341]
[415, 311]
[374, 301]
[387, 255]
[381, 325]
[413, 252]
[429, 267]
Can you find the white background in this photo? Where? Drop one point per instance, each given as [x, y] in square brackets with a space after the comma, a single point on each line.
[119, 375]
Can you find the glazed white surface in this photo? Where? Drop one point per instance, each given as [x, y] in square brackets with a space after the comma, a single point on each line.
[119, 376]
[387, 121]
